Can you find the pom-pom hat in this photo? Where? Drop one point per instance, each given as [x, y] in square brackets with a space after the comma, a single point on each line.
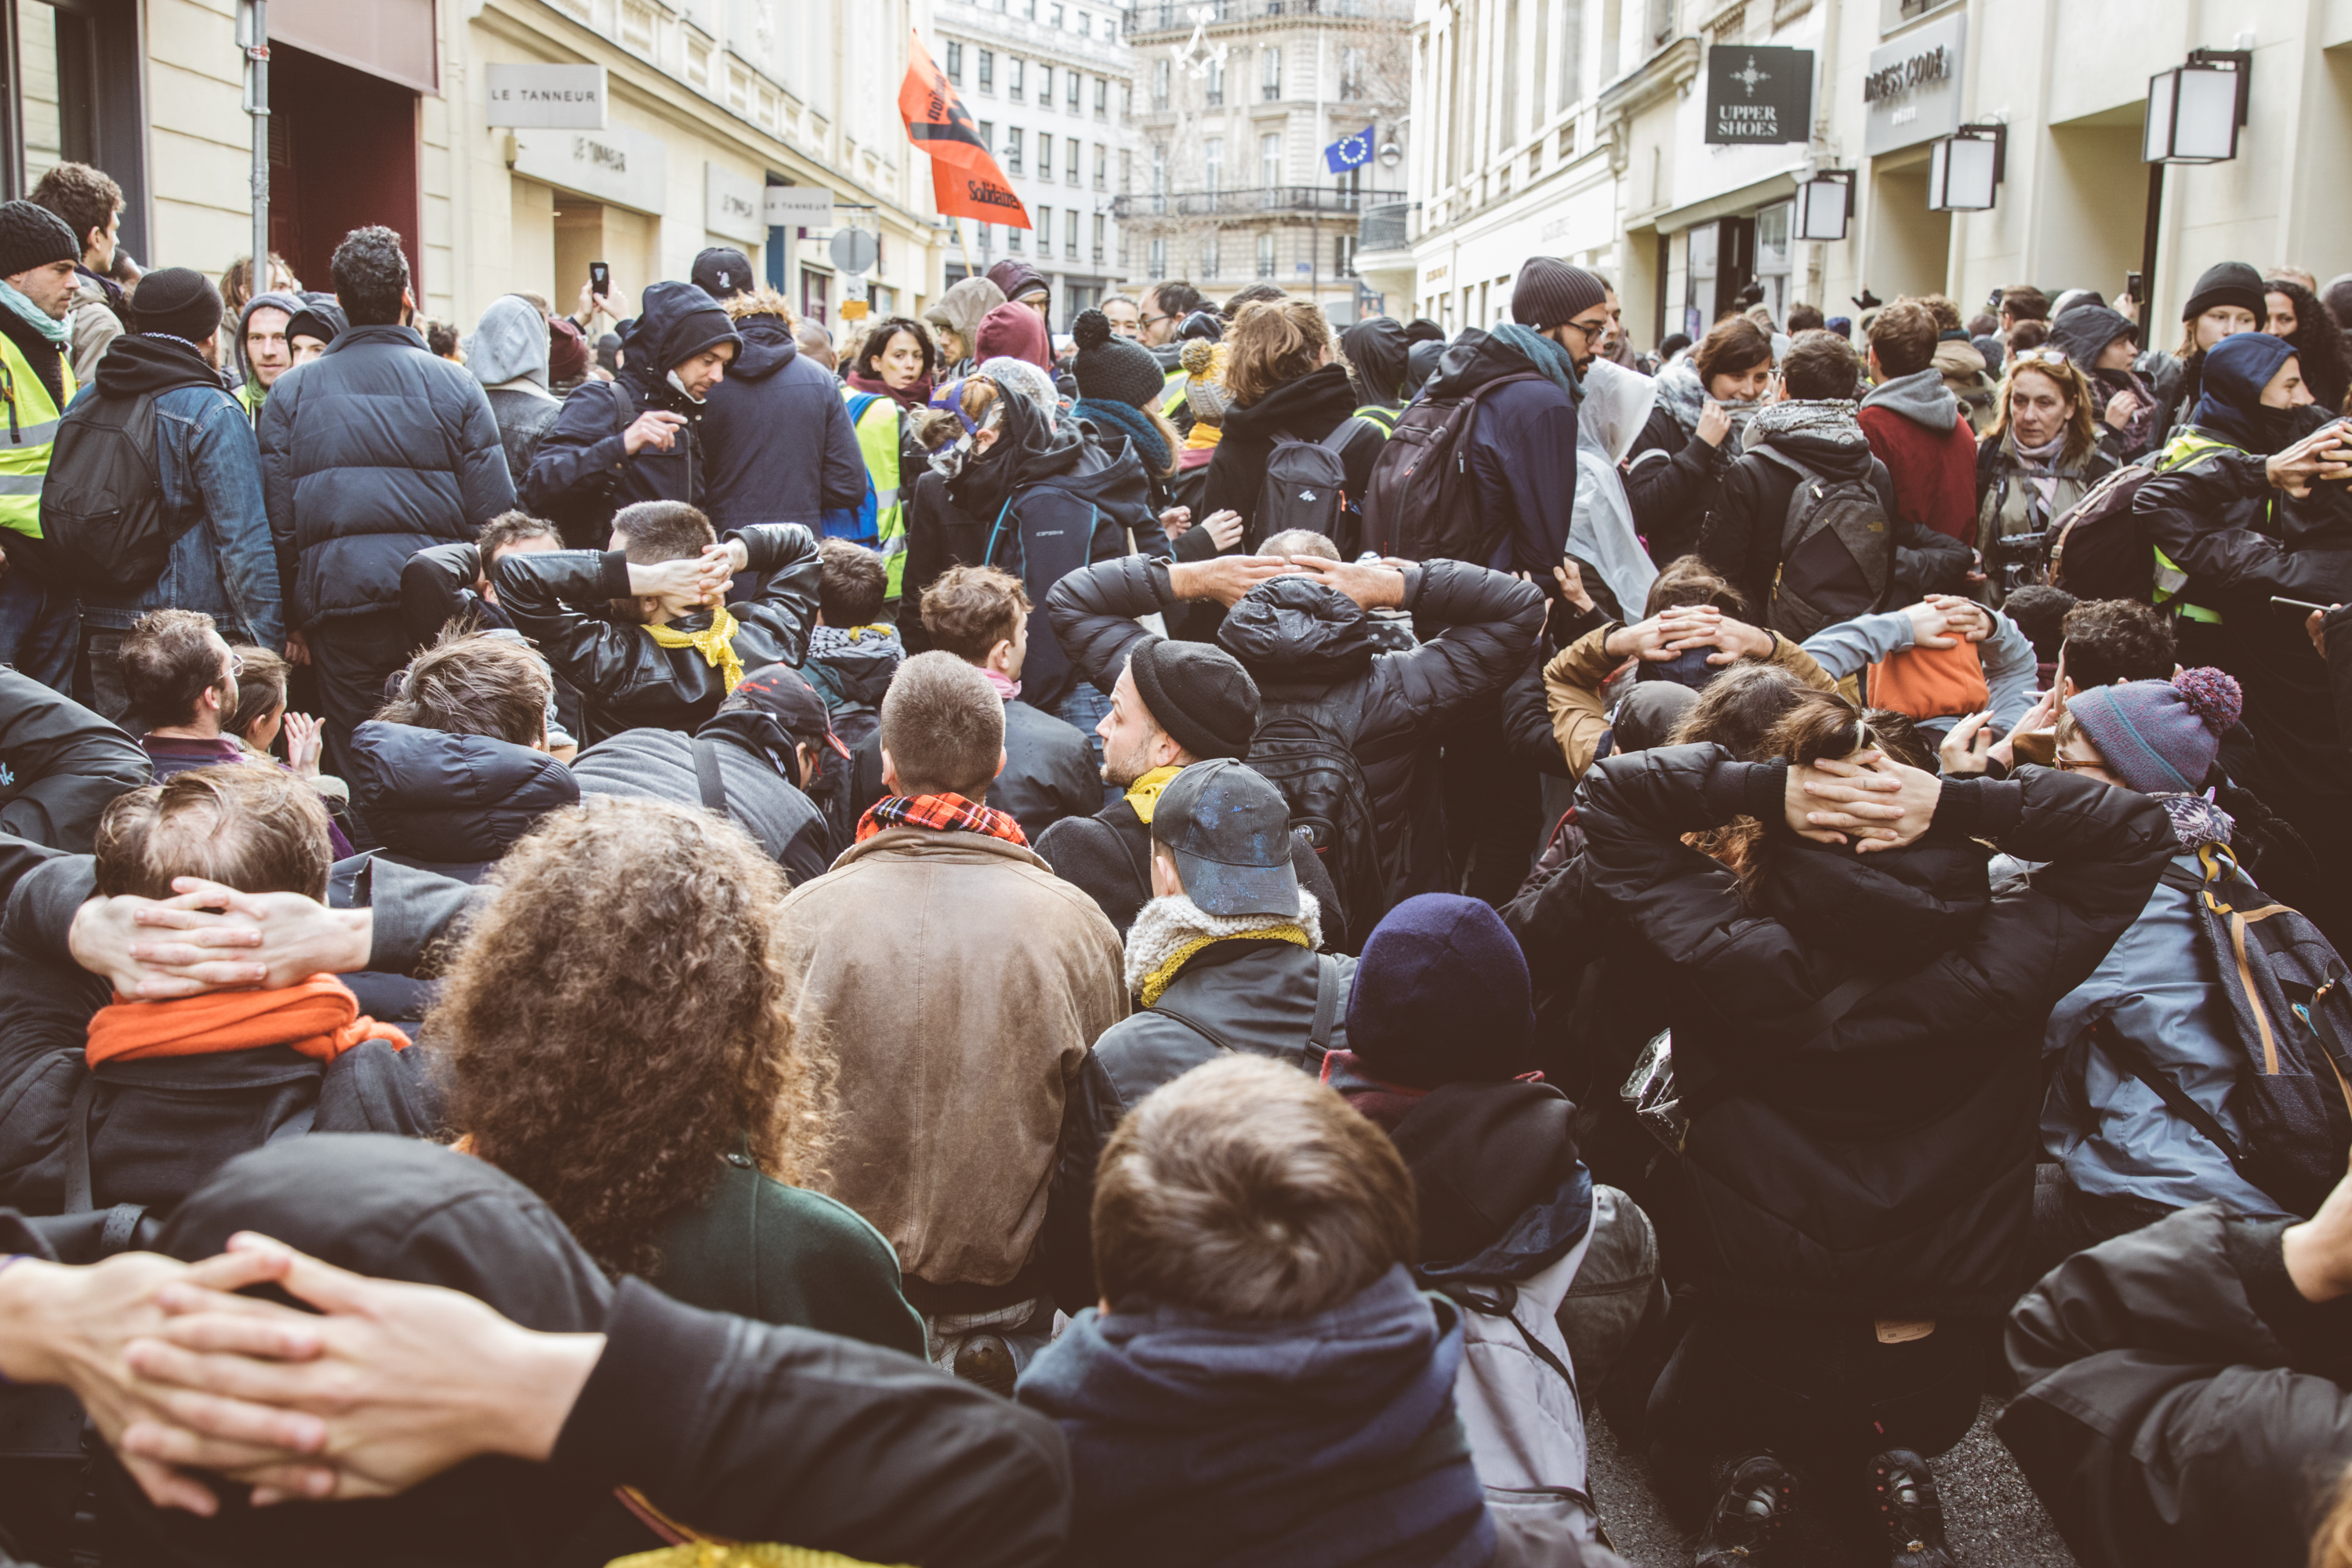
[2161, 737]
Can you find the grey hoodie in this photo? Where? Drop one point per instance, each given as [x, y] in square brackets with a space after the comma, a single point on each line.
[509, 345]
[1921, 397]
[289, 303]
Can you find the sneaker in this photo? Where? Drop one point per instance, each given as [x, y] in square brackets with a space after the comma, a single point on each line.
[987, 1360]
[1903, 1492]
[1749, 1513]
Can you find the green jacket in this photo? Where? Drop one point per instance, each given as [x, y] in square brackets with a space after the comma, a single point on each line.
[783, 1255]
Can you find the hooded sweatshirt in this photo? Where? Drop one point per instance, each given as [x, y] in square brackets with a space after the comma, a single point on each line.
[507, 354]
[2082, 334]
[250, 392]
[1015, 278]
[962, 310]
[1377, 351]
[1016, 331]
[1917, 428]
[2229, 400]
[1326, 1442]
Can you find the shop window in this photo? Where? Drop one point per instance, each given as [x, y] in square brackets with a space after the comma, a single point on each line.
[816, 289]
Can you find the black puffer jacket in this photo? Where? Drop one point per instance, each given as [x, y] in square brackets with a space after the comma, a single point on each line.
[1302, 640]
[782, 448]
[1259, 997]
[1883, 1163]
[583, 471]
[452, 804]
[1673, 481]
[626, 678]
[2179, 1402]
[1307, 409]
[369, 453]
[59, 765]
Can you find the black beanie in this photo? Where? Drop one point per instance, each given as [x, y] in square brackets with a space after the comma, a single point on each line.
[1550, 293]
[1441, 995]
[178, 302]
[2228, 283]
[722, 272]
[32, 236]
[1199, 693]
[1112, 367]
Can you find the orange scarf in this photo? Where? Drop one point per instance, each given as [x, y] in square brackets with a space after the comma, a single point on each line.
[318, 1017]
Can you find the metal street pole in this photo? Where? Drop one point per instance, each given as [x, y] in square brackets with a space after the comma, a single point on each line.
[253, 36]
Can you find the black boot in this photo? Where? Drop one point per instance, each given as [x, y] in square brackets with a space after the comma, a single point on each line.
[1903, 1492]
[1748, 1514]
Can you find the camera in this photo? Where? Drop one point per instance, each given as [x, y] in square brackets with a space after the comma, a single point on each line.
[2016, 559]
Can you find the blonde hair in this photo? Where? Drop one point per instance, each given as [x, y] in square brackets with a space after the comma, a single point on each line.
[761, 301]
[1273, 342]
[2081, 427]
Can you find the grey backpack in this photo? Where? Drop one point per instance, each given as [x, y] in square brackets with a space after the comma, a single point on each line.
[1305, 485]
[1837, 552]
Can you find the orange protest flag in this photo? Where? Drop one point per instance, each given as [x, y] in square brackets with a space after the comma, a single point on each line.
[965, 180]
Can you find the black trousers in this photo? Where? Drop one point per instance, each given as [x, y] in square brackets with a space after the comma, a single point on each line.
[1818, 1389]
[1493, 806]
[353, 657]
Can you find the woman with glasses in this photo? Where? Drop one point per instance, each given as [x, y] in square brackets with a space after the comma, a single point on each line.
[2041, 456]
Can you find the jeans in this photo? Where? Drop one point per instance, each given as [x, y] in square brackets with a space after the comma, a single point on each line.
[98, 674]
[37, 628]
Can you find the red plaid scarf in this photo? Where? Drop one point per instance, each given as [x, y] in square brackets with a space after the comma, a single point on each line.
[943, 813]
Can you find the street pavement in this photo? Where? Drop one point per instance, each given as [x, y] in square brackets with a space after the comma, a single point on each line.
[1992, 1518]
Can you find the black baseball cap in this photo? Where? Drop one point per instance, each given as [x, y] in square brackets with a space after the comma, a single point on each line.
[1230, 832]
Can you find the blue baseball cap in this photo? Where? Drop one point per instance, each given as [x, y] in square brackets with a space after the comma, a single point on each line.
[1230, 832]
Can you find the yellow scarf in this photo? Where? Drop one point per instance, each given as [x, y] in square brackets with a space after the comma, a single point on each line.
[1156, 984]
[714, 643]
[1144, 793]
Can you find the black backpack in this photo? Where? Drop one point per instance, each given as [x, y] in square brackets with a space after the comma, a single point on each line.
[2096, 547]
[1306, 749]
[1305, 486]
[2291, 1022]
[1421, 504]
[102, 510]
[1837, 552]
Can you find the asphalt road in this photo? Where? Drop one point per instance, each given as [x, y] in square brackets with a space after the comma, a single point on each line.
[1991, 1517]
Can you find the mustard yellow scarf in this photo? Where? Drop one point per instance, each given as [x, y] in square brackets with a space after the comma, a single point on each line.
[1144, 793]
[714, 643]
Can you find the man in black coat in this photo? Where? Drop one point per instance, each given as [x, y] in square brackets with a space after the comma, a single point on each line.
[370, 453]
[1300, 627]
[672, 651]
[780, 447]
[639, 437]
[59, 765]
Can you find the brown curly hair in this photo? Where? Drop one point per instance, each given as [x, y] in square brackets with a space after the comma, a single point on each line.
[621, 1016]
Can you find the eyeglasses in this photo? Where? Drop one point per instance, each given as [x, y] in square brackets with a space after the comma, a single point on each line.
[236, 662]
[1590, 330]
[1155, 321]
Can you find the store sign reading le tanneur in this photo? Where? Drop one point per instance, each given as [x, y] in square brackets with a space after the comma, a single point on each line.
[1758, 96]
[1911, 87]
[570, 97]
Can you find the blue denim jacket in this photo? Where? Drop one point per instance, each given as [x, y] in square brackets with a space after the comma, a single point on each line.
[224, 566]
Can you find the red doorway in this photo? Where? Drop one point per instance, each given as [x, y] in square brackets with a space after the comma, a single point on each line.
[343, 154]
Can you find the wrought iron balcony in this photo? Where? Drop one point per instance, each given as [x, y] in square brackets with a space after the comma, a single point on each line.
[1264, 200]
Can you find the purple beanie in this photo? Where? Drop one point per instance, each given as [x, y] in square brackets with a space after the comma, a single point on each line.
[2160, 736]
[1441, 995]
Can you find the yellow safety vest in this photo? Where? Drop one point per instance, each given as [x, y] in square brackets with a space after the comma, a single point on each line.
[1171, 387]
[2188, 445]
[32, 431]
[878, 438]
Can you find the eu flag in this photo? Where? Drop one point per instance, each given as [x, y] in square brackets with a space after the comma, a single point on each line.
[1349, 152]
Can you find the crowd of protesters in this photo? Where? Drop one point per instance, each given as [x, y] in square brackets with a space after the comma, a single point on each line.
[1190, 943]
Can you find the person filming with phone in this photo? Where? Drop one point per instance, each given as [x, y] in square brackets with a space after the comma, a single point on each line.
[2251, 502]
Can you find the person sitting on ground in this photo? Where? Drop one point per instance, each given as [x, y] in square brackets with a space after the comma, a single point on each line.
[674, 648]
[179, 675]
[1916, 427]
[1225, 957]
[755, 761]
[1857, 1022]
[1298, 624]
[955, 1051]
[261, 721]
[2209, 1334]
[2040, 612]
[1438, 1056]
[853, 650]
[169, 1090]
[446, 584]
[2127, 1155]
[1173, 704]
[1263, 1382]
[634, 1062]
[980, 615]
[59, 765]
[454, 768]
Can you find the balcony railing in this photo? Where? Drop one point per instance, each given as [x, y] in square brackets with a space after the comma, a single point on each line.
[1302, 199]
[1385, 227]
[1176, 15]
